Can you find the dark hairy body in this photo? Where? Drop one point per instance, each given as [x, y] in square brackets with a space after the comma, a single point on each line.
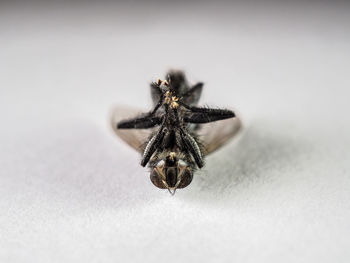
[173, 151]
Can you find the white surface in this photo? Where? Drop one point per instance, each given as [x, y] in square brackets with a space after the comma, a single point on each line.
[71, 192]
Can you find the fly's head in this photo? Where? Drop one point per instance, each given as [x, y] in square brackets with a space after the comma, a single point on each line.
[171, 172]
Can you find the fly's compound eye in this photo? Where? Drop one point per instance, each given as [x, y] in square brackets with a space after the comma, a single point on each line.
[156, 178]
[186, 178]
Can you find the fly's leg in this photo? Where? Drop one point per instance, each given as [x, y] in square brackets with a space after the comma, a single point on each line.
[139, 123]
[205, 115]
[160, 102]
[144, 122]
[152, 145]
[192, 146]
[190, 143]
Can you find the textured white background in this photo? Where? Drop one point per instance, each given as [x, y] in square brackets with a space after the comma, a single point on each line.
[71, 192]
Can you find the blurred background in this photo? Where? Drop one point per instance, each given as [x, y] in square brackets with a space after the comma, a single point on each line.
[70, 191]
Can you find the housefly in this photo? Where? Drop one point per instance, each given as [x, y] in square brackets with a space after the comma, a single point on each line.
[176, 134]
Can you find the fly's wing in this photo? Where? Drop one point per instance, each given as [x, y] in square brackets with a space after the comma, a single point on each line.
[191, 96]
[213, 135]
[156, 93]
[136, 138]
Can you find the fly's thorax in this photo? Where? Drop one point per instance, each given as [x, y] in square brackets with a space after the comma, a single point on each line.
[172, 121]
[171, 99]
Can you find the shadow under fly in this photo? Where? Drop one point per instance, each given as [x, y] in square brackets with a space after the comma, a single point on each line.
[176, 135]
[260, 155]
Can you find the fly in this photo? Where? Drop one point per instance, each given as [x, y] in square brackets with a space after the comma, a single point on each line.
[176, 135]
